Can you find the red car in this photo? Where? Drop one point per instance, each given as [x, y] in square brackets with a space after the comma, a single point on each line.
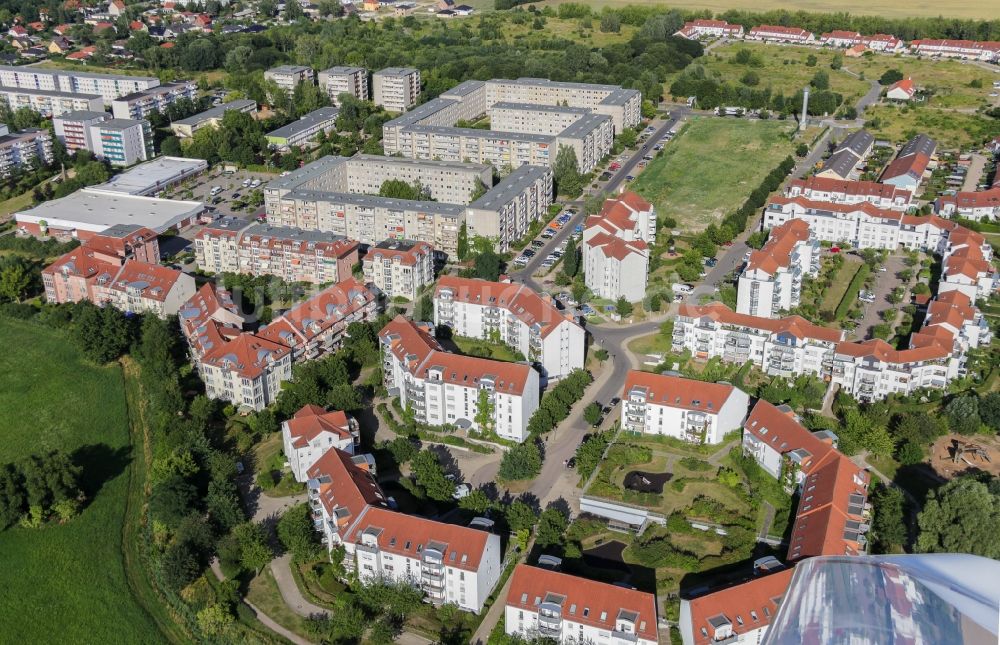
[615, 166]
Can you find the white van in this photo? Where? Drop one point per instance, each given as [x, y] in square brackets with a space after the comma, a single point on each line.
[216, 190]
[682, 289]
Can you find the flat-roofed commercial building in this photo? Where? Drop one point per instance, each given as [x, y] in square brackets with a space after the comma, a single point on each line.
[396, 88]
[138, 105]
[153, 176]
[50, 103]
[185, 128]
[339, 194]
[93, 210]
[344, 80]
[289, 76]
[303, 131]
[108, 86]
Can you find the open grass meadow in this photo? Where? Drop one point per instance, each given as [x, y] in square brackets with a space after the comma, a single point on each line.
[67, 582]
[710, 169]
[966, 9]
[783, 69]
[951, 129]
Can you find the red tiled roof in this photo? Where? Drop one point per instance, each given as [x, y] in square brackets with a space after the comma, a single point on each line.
[777, 252]
[403, 534]
[246, 354]
[408, 341]
[795, 325]
[314, 316]
[978, 199]
[615, 247]
[848, 187]
[820, 526]
[345, 485]
[592, 603]
[467, 371]
[782, 431]
[152, 280]
[840, 34]
[778, 29]
[905, 85]
[81, 263]
[120, 246]
[987, 45]
[617, 214]
[405, 256]
[762, 596]
[883, 351]
[867, 208]
[678, 392]
[311, 421]
[913, 165]
[521, 301]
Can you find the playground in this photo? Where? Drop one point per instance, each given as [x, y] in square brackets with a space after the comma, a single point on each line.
[956, 454]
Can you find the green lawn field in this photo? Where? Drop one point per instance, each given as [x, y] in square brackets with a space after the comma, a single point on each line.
[67, 583]
[710, 169]
[966, 9]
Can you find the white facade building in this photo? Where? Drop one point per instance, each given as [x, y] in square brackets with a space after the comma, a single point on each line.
[616, 247]
[514, 315]
[841, 191]
[545, 604]
[682, 408]
[344, 80]
[313, 431]
[443, 388]
[122, 142]
[107, 86]
[289, 76]
[771, 281]
[400, 268]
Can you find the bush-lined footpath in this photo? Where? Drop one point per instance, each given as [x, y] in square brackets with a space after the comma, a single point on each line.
[853, 289]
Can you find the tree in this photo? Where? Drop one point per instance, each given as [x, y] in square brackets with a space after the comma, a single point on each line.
[488, 266]
[430, 475]
[463, 241]
[623, 307]
[800, 151]
[989, 410]
[298, 535]
[523, 461]
[961, 517]
[655, 302]
[820, 80]
[179, 566]
[15, 278]
[811, 60]
[909, 453]
[592, 414]
[484, 411]
[571, 259]
[254, 550]
[890, 76]
[888, 526]
[172, 500]
[963, 414]
[610, 23]
[520, 516]
[566, 172]
[476, 501]
[102, 333]
[293, 11]
[551, 528]
[399, 189]
[216, 619]
[401, 449]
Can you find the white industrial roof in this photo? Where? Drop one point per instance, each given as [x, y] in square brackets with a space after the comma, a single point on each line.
[153, 175]
[95, 210]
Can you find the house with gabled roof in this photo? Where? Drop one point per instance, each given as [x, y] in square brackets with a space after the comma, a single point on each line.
[313, 431]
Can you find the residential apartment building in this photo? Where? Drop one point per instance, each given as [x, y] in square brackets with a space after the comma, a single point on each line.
[73, 128]
[400, 268]
[883, 43]
[533, 118]
[231, 245]
[832, 519]
[50, 103]
[396, 88]
[108, 86]
[514, 315]
[616, 247]
[682, 408]
[318, 325]
[464, 391]
[305, 130]
[780, 34]
[288, 77]
[966, 49]
[344, 80]
[139, 105]
[702, 28]
[245, 370]
[143, 288]
[340, 195]
[211, 118]
[839, 191]
[19, 150]
[980, 206]
[546, 604]
[312, 432]
[771, 280]
[122, 142]
[786, 347]
[847, 156]
[915, 159]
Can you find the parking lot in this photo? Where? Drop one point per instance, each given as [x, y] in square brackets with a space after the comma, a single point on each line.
[550, 231]
[885, 282]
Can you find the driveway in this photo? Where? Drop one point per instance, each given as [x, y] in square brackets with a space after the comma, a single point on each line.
[885, 282]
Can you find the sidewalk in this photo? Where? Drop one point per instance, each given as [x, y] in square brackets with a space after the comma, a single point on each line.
[281, 568]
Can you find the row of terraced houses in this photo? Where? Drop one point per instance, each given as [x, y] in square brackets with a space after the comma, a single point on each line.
[702, 29]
